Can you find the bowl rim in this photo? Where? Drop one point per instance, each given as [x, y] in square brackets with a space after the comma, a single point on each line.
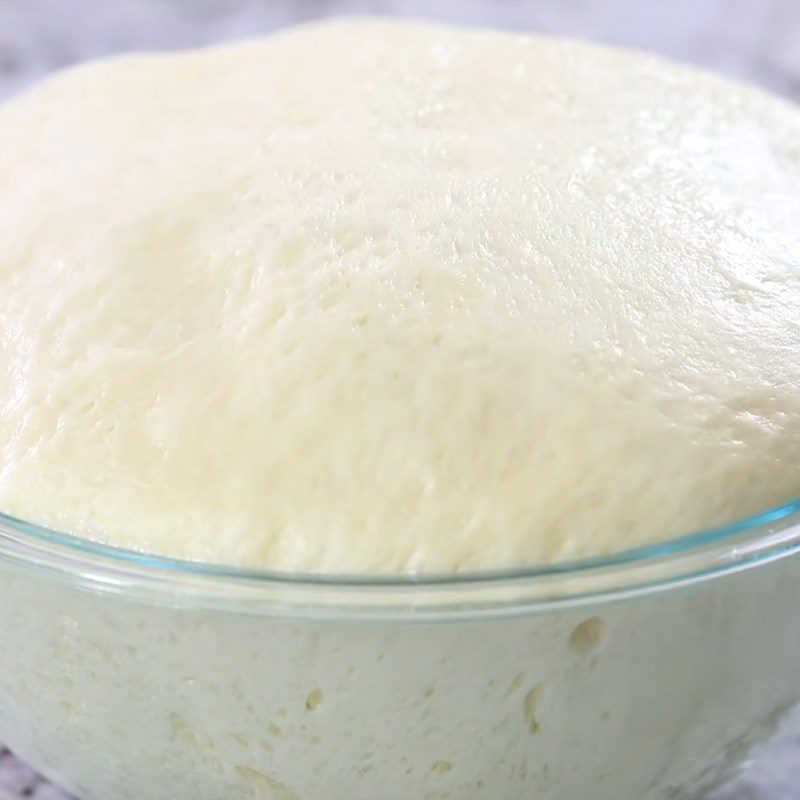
[652, 568]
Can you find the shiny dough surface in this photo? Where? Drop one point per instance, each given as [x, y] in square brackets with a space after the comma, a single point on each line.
[375, 296]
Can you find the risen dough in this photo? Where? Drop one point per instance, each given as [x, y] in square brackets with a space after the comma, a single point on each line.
[380, 297]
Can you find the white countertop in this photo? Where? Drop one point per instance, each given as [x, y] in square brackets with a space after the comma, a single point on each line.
[755, 39]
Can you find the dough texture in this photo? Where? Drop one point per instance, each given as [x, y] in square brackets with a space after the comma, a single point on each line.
[383, 297]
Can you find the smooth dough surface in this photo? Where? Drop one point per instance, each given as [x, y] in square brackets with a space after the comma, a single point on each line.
[389, 297]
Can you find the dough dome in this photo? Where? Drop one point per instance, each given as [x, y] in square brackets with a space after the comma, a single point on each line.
[388, 297]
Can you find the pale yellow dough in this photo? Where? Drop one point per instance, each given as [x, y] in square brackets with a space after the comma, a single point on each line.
[388, 297]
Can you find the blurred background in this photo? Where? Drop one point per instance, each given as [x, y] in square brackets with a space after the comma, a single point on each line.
[758, 40]
[755, 39]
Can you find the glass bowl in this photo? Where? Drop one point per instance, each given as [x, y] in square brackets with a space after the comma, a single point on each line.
[645, 675]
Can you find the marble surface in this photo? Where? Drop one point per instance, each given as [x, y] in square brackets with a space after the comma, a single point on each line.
[758, 40]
